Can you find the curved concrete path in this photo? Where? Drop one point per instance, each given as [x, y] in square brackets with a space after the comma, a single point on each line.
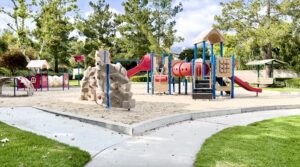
[175, 145]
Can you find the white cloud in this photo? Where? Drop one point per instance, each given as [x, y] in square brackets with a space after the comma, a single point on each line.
[197, 16]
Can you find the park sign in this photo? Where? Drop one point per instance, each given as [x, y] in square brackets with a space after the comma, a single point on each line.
[79, 58]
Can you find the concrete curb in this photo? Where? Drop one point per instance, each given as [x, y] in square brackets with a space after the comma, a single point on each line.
[115, 126]
[142, 127]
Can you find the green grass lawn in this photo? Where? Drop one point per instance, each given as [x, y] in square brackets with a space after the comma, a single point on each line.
[283, 89]
[27, 149]
[269, 143]
[73, 82]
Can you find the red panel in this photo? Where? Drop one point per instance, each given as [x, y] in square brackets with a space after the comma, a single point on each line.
[161, 78]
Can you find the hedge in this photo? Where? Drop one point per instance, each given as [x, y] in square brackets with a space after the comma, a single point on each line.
[293, 83]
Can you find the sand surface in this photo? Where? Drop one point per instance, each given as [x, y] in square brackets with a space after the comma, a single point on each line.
[147, 106]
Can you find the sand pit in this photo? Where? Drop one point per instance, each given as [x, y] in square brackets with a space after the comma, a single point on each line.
[147, 106]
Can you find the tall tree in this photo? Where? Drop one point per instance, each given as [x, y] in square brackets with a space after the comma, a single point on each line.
[53, 30]
[98, 28]
[22, 10]
[163, 22]
[133, 42]
[257, 23]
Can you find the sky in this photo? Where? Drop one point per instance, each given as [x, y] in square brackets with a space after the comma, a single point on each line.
[197, 16]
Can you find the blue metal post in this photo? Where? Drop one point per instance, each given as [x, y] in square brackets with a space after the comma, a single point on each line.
[203, 59]
[169, 74]
[185, 81]
[41, 80]
[221, 55]
[214, 76]
[107, 87]
[232, 78]
[152, 73]
[211, 52]
[78, 76]
[47, 79]
[105, 56]
[63, 79]
[193, 66]
[148, 81]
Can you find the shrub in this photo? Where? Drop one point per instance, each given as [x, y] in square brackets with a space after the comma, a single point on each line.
[4, 72]
[13, 60]
[293, 83]
[139, 78]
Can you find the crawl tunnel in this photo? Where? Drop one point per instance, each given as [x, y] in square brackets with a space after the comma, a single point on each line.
[182, 69]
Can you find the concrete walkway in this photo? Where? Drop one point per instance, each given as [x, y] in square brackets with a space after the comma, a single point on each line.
[175, 145]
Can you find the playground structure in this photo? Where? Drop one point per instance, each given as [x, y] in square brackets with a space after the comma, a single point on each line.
[44, 81]
[207, 76]
[28, 86]
[108, 83]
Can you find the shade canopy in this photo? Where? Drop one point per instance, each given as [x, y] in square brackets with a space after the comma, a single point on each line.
[38, 64]
[265, 62]
[211, 35]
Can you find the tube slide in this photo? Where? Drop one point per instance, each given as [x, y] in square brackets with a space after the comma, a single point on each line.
[144, 65]
[246, 86]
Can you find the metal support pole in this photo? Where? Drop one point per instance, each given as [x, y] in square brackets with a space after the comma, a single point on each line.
[185, 80]
[193, 67]
[173, 81]
[179, 86]
[14, 86]
[63, 79]
[152, 73]
[68, 78]
[221, 55]
[214, 76]
[148, 81]
[232, 78]
[169, 74]
[78, 76]
[41, 79]
[107, 87]
[203, 59]
[47, 79]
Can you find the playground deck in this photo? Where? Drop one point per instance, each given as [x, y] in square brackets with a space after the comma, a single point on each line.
[147, 106]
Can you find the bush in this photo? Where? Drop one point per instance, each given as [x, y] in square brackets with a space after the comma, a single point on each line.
[4, 72]
[293, 83]
[139, 78]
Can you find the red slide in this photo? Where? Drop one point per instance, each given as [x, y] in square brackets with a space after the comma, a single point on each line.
[144, 65]
[246, 86]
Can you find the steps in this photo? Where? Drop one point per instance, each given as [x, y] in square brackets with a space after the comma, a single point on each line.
[202, 90]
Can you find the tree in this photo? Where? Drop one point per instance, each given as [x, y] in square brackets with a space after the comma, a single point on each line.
[53, 29]
[162, 24]
[99, 26]
[133, 41]
[257, 23]
[3, 46]
[21, 12]
[13, 60]
[147, 25]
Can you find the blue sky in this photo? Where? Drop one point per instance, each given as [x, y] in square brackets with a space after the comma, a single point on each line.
[197, 16]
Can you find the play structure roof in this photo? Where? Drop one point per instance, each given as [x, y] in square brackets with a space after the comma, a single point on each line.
[38, 64]
[211, 35]
[265, 62]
